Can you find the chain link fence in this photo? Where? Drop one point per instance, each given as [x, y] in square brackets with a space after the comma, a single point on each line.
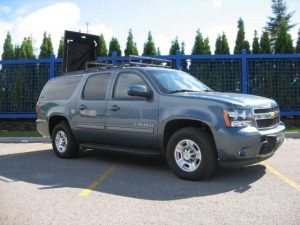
[273, 76]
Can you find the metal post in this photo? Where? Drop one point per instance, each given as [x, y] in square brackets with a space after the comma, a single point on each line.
[178, 58]
[113, 58]
[244, 72]
[51, 66]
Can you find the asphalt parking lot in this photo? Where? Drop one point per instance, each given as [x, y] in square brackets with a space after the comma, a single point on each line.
[98, 187]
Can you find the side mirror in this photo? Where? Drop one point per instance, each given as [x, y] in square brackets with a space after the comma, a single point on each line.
[139, 91]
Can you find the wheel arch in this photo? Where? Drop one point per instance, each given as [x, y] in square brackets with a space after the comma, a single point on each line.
[54, 120]
[176, 124]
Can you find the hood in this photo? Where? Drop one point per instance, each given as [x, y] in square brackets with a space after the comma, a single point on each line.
[238, 100]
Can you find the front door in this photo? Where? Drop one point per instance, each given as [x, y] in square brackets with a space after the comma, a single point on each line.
[131, 121]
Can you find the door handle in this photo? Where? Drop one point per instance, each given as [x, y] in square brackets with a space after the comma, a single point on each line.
[81, 107]
[115, 108]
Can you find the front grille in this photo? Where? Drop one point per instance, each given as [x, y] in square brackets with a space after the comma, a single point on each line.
[267, 123]
[266, 118]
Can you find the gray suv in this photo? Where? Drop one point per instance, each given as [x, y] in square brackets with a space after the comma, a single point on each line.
[154, 110]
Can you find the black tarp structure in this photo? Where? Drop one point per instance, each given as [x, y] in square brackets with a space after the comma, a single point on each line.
[78, 49]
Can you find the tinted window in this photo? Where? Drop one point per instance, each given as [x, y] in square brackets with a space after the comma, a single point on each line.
[60, 89]
[95, 87]
[124, 81]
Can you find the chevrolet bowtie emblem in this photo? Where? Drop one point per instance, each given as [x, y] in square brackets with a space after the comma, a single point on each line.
[273, 115]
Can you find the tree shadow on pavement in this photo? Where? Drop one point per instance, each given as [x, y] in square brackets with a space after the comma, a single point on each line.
[136, 176]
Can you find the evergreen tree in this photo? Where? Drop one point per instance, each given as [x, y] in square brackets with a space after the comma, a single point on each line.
[46, 47]
[289, 44]
[19, 52]
[28, 47]
[182, 49]
[240, 42]
[102, 46]
[60, 48]
[184, 63]
[8, 49]
[279, 10]
[255, 44]
[131, 48]
[218, 49]
[265, 45]
[149, 46]
[198, 47]
[158, 51]
[222, 45]
[283, 43]
[247, 46]
[297, 49]
[206, 49]
[114, 46]
[174, 47]
[225, 46]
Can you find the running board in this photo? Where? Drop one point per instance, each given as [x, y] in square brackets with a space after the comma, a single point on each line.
[139, 151]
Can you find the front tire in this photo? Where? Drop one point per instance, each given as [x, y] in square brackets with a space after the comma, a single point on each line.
[63, 142]
[191, 154]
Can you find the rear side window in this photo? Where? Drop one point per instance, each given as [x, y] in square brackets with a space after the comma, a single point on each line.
[96, 87]
[60, 89]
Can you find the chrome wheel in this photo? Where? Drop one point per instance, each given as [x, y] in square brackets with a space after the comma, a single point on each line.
[61, 141]
[187, 155]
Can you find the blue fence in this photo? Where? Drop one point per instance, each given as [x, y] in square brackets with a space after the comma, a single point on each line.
[275, 76]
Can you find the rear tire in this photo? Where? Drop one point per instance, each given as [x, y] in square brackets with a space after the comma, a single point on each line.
[191, 154]
[63, 142]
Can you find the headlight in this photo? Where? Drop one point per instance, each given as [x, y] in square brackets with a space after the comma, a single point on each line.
[238, 118]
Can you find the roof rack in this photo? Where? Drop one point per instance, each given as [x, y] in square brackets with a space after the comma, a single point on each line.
[97, 65]
[139, 61]
[133, 60]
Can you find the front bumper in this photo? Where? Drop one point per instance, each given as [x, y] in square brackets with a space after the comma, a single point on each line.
[246, 146]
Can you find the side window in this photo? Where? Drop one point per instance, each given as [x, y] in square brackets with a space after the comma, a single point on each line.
[124, 81]
[60, 88]
[95, 87]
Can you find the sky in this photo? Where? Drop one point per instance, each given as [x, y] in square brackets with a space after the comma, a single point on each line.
[164, 18]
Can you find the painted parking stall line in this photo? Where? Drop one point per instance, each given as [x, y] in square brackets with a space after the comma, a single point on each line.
[281, 176]
[107, 173]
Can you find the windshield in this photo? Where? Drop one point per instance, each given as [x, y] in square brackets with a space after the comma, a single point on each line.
[172, 81]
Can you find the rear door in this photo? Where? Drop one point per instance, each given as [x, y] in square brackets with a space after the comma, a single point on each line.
[131, 121]
[91, 109]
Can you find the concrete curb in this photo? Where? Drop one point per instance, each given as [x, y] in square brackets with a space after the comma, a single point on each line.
[24, 140]
[295, 135]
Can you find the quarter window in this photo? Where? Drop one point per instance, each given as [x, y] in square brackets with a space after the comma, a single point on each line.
[60, 88]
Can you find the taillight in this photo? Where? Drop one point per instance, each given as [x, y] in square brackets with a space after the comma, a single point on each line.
[37, 109]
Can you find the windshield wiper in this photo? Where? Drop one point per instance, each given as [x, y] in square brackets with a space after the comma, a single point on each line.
[188, 90]
[182, 90]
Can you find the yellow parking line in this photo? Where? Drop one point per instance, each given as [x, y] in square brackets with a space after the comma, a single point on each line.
[85, 192]
[281, 176]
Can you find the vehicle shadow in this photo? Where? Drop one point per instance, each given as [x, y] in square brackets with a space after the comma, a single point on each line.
[136, 176]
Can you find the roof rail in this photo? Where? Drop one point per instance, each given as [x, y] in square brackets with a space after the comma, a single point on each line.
[156, 62]
[133, 60]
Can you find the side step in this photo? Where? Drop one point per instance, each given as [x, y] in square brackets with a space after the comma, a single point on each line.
[138, 151]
